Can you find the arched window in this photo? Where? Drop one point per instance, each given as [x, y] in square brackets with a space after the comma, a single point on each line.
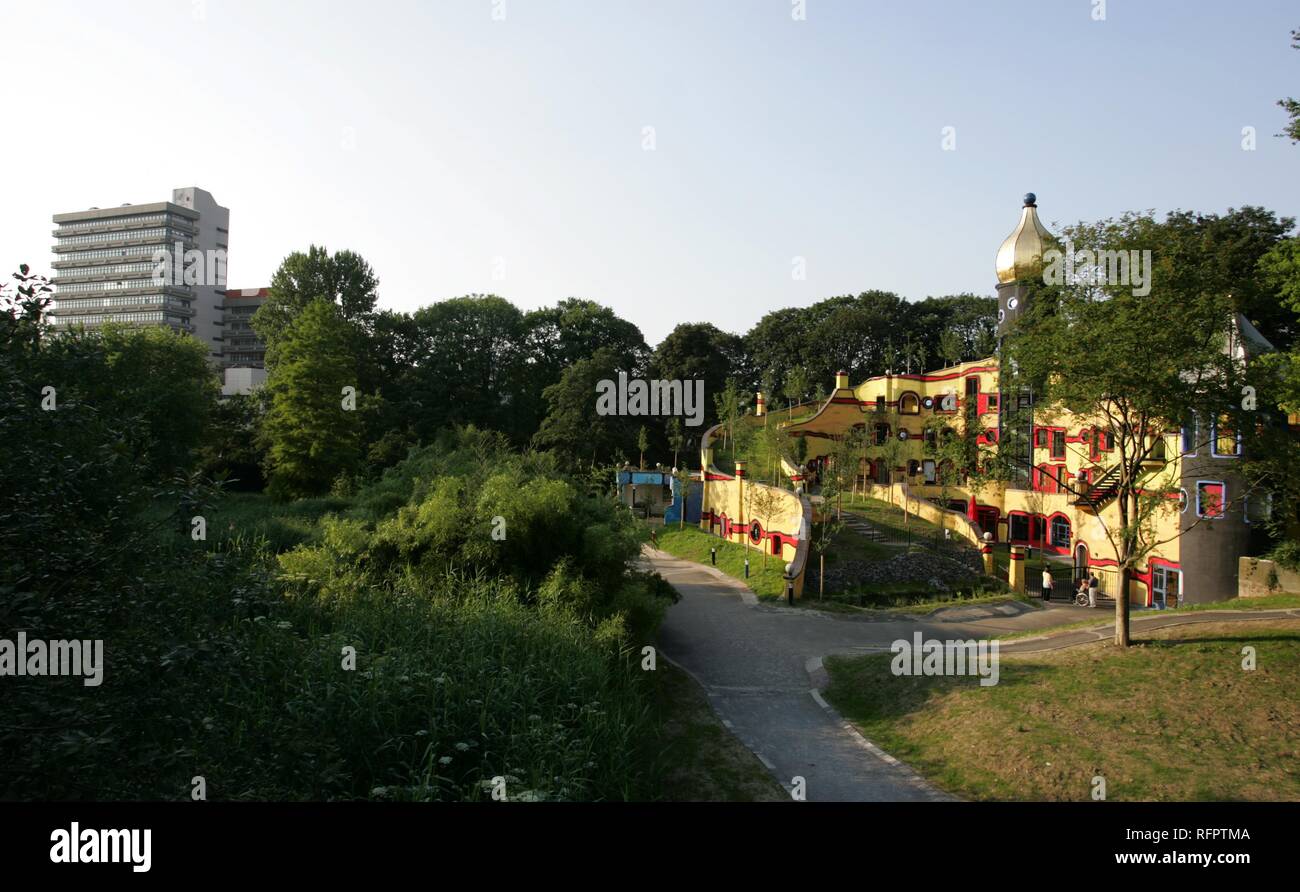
[909, 404]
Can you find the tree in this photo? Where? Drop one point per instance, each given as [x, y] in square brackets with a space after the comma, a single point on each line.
[1292, 106]
[700, 351]
[166, 376]
[824, 532]
[232, 448]
[730, 405]
[1272, 465]
[950, 348]
[889, 451]
[343, 278]
[796, 386]
[1222, 253]
[1139, 376]
[676, 437]
[311, 436]
[572, 428]
[683, 477]
[467, 367]
[764, 503]
[642, 444]
[571, 331]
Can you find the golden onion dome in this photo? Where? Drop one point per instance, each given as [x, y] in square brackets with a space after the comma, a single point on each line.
[1021, 255]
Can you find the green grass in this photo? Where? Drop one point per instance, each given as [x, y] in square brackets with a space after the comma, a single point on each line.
[249, 517]
[693, 544]
[1283, 601]
[889, 518]
[1175, 717]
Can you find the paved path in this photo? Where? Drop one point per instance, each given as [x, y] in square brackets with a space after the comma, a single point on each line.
[761, 668]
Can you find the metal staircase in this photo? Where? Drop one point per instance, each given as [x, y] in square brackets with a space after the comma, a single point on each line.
[1100, 491]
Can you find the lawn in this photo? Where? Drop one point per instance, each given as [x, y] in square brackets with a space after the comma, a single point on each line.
[693, 544]
[1175, 717]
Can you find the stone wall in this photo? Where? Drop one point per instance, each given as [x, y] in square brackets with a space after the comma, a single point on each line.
[1257, 577]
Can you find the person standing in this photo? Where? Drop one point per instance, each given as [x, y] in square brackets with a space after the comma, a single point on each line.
[1047, 584]
[1093, 583]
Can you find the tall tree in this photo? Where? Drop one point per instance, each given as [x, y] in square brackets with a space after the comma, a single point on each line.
[573, 428]
[700, 351]
[343, 278]
[467, 367]
[312, 432]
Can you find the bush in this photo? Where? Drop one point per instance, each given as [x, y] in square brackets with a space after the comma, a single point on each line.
[1286, 554]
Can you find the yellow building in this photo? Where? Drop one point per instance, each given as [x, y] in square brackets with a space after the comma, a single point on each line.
[1063, 505]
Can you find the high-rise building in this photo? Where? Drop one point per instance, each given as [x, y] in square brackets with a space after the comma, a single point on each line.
[145, 264]
[243, 348]
[244, 359]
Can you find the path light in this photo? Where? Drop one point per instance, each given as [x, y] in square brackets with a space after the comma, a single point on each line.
[713, 554]
[789, 584]
[746, 568]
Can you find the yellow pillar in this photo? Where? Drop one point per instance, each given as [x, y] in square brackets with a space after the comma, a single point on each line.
[740, 502]
[1016, 572]
[841, 380]
[760, 405]
[706, 462]
[987, 550]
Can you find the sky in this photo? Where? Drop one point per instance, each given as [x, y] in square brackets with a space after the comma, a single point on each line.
[677, 160]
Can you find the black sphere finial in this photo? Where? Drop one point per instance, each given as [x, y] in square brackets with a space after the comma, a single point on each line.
[1030, 198]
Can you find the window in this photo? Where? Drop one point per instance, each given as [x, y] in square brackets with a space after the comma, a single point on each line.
[1189, 436]
[1210, 499]
[1182, 501]
[972, 387]
[1060, 532]
[992, 401]
[880, 403]
[882, 434]
[1018, 527]
[1058, 444]
[1040, 438]
[913, 467]
[1046, 475]
[909, 404]
[1224, 440]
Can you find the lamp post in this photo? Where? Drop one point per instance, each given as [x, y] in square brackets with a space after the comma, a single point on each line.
[789, 584]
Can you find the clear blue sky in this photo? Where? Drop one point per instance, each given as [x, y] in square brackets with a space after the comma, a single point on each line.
[434, 139]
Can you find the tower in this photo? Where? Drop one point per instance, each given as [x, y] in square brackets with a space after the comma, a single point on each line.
[1020, 259]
